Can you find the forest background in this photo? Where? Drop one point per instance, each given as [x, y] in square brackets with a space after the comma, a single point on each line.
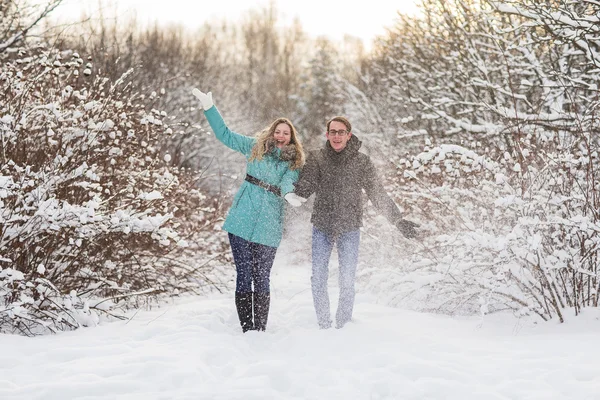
[480, 114]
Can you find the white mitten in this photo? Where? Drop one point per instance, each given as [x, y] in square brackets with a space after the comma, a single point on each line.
[294, 199]
[205, 98]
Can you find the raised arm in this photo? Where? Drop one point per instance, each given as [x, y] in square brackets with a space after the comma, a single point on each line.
[233, 140]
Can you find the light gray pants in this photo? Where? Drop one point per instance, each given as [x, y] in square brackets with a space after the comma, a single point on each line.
[347, 247]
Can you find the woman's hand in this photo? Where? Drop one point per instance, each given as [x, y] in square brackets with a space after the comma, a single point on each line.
[205, 98]
[294, 199]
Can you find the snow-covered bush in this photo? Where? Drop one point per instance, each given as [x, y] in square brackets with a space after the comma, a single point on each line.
[506, 95]
[91, 214]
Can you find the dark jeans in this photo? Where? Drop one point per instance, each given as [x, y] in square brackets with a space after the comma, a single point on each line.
[253, 264]
[347, 247]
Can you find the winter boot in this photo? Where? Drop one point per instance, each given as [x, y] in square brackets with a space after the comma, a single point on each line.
[243, 303]
[261, 310]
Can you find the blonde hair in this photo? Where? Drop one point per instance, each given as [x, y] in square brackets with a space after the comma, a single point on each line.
[261, 146]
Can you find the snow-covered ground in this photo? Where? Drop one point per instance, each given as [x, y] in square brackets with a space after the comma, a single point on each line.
[195, 350]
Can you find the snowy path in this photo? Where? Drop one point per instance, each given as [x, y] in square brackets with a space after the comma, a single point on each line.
[195, 350]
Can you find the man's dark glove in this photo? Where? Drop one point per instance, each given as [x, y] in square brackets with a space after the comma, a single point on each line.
[407, 228]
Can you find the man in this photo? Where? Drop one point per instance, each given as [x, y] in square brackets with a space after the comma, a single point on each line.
[337, 174]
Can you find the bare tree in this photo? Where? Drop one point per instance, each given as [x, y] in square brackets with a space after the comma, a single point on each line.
[17, 19]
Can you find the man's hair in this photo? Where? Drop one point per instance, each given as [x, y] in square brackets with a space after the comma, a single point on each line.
[343, 120]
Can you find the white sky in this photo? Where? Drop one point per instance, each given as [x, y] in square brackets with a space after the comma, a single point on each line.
[333, 18]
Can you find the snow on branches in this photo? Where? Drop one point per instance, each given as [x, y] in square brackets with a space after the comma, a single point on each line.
[90, 211]
[506, 94]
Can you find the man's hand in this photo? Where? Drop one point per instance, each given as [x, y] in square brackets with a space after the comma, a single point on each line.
[294, 199]
[407, 228]
[205, 98]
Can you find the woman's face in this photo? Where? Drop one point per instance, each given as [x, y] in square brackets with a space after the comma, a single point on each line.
[282, 135]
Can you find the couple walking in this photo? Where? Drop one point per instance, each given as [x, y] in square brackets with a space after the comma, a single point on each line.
[277, 172]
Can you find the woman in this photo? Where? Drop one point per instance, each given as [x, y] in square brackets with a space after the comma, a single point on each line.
[255, 219]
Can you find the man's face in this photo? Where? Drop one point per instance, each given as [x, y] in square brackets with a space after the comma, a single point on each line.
[338, 136]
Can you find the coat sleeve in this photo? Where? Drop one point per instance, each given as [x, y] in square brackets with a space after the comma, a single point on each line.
[234, 141]
[287, 182]
[378, 196]
[309, 177]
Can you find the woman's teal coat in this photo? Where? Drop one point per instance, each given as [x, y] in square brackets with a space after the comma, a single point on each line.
[256, 214]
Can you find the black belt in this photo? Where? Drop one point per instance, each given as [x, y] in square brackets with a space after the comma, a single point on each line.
[271, 188]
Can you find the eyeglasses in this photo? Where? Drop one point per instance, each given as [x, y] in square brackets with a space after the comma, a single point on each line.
[341, 132]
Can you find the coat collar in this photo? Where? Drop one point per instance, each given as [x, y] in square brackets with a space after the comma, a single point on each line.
[350, 150]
